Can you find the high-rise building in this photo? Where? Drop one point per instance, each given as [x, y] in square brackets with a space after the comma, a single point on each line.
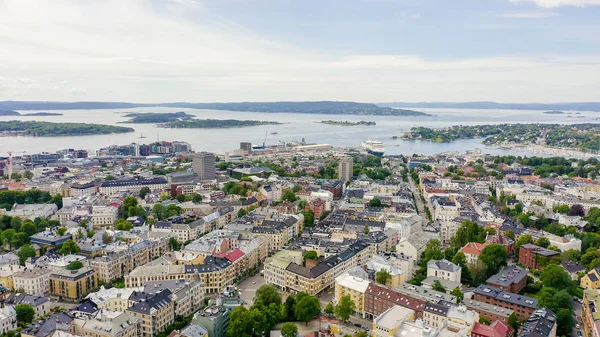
[204, 165]
[246, 147]
[346, 168]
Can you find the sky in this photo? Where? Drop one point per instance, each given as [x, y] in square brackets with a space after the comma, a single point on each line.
[296, 50]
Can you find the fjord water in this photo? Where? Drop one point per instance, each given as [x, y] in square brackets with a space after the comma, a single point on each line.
[294, 128]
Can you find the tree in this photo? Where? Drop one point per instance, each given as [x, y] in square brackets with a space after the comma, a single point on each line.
[543, 242]
[25, 314]
[259, 321]
[288, 195]
[565, 322]
[29, 227]
[344, 308]
[242, 212]
[196, 197]
[562, 209]
[289, 330]
[69, 247]
[16, 223]
[28, 174]
[509, 234]
[329, 309]
[106, 238]
[460, 259]
[75, 265]
[494, 256]
[484, 320]
[19, 240]
[375, 203]
[478, 272]
[555, 276]
[174, 244]
[144, 191]
[61, 231]
[173, 210]
[309, 218]
[7, 236]
[91, 233]
[240, 324]
[437, 286]
[25, 252]
[158, 211]
[383, 276]
[180, 198]
[268, 294]
[123, 225]
[130, 201]
[288, 309]
[459, 295]
[523, 240]
[307, 308]
[577, 210]
[311, 254]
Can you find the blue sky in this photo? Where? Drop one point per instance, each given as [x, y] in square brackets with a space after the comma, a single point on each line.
[253, 50]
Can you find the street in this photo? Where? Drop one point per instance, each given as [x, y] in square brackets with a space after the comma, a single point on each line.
[249, 286]
[577, 313]
[418, 201]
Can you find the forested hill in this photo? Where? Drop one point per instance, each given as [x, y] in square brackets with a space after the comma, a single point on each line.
[576, 106]
[320, 107]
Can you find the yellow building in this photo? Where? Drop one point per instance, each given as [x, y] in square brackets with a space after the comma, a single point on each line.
[591, 280]
[156, 313]
[353, 286]
[112, 324]
[386, 324]
[72, 284]
[591, 317]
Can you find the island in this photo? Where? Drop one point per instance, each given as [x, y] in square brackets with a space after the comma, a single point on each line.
[43, 114]
[554, 112]
[214, 123]
[154, 118]
[582, 137]
[346, 123]
[308, 107]
[48, 129]
[9, 113]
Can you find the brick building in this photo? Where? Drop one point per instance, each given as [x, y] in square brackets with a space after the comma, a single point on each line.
[379, 298]
[523, 306]
[511, 279]
[535, 257]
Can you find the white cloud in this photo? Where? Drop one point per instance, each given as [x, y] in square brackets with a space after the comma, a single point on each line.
[559, 3]
[144, 51]
[529, 15]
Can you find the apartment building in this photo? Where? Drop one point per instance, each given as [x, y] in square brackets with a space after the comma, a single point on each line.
[104, 215]
[489, 311]
[522, 305]
[188, 296]
[591, 280]
[72, 284]
[511, 279]
[133, 185]
[472, 250]
[444, 269]
[114, 299]
[590, 313]
[33, 281]
[535, 257]
[8, 319]
[388, 322]
[6, 275]
[111, 324]
[156, 312]
[541, 322]
[181, 231]
[380, 298]
[110, 267]
[40, 304]
[353, 286]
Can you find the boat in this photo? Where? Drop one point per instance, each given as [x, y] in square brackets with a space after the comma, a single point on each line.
[274, 133]
[374, 147]
[142, 136]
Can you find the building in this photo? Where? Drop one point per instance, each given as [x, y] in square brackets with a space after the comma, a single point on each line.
[573, 268]
[317, 206]
[590, 313]
[591, 280]
[435, 315]
[32, 211]
[133, 185]
[444, 269]
[187, 295]
[72, 284]
[8, 319]
[33, 281]
[215, 317]
[204, 165]
[58, 322]
[156, 312]
[105, 323]
[49, 239]
[490, 311]
[523, 306]
[346, 169]
[388, 322]
[472, 250]
[535, 257]
[496, 329]
[41, 305]
[353, 286]
[511, 279]
[541, 323]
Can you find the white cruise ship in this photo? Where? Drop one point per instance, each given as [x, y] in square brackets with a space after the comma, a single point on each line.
[374, 147]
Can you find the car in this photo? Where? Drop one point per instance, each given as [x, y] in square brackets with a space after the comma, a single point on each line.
[253, 282]
[579, 334]
[577, 326]
[357, 325]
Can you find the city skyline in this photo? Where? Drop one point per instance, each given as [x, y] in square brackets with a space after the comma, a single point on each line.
[368, 51]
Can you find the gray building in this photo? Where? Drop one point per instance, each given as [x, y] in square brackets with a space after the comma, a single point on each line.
[346, 169]
[215, 317]
[204, 165]
[247, 147]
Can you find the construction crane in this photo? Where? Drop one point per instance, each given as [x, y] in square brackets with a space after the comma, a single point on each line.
[10, 164]
[264, 144]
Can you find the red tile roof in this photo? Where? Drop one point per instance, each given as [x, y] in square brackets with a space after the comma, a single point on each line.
[497, 329]
[394, 297]
[473, 248]
[234, 255]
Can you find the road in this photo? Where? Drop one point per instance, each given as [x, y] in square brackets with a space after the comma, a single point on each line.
[577, 312]
[418, 201]
[249, 286]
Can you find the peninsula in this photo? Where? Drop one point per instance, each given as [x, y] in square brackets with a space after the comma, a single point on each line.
[15, 113]
[554, 112]
[214, 123]
[154, 118]
[48, 129]
[581, 137]
[346, 123]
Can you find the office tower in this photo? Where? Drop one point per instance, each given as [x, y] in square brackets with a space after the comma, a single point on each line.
[247, 147]
[204, 165]
[346, 169]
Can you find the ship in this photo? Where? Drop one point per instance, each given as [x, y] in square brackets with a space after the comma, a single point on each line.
[374, 147]
[274, 133]
[142, 136]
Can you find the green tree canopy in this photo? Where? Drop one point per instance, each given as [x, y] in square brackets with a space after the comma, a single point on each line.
[288, 195]
[543, 242]
[329, 309]
[383, 276]
[25, 252]
[459, 295]
[556, 276]
[123, 225]
[289, 330]
[268, 294]
[75, 265]
[437, 286]
[494, 256]
[345, 308]
[311, 254]
[307, 308]
[25, 314]
[69, 247]
[144, 191]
